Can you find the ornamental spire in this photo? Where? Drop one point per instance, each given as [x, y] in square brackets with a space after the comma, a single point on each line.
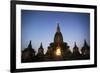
[75, 44]
[85, 43]
[58, 28]
[41, 45]
[30, 45]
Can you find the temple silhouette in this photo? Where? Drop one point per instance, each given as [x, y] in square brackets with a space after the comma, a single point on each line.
[58, 50]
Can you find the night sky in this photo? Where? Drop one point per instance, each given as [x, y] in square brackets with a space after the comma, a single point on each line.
[40, 26]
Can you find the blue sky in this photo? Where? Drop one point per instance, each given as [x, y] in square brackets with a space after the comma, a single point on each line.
[40, 26]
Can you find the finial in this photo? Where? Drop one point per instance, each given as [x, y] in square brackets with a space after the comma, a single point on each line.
[30, 45]
[85, 43]
[58, 28]
[41, 45]
[75, 43]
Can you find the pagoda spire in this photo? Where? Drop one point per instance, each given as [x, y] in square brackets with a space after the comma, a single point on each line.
[58, 38]
[75, 44]
[41, 45]
[58, 28]
[30, 45]
[40, 51]
[85, 43]
[85, 49]
[76, 50]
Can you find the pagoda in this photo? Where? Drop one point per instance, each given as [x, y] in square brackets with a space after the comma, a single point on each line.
[40, 54]
[85, 50]
[58, 49]
[28, 54]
